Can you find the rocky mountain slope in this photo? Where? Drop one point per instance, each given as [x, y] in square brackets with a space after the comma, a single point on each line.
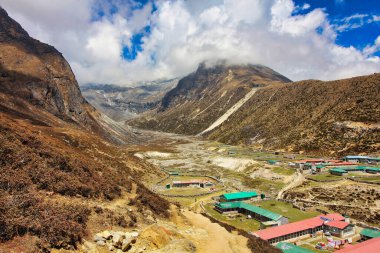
[58, 172]
[255, 106]
[330, 117]
[123, 103]
[205, 95]
[35, 75]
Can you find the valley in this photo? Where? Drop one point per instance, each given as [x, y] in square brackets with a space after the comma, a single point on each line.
[229, 158]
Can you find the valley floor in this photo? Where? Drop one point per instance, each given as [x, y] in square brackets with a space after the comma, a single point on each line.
[244, 169]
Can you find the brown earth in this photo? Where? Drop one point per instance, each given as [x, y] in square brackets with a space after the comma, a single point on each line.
[218, 239]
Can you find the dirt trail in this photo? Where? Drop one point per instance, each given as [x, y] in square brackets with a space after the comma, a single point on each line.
[218, 239]
[298, 180]
[230, 111]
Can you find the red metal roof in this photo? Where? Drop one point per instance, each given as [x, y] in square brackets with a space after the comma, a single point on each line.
[338, 224]
[294, 227]
[370, 246]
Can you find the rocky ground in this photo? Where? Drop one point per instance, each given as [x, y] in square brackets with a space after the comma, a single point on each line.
[358, 200]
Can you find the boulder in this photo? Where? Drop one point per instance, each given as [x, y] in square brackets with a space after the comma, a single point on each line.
[134, 234]
[117, 239]
[133, 249]
[98, 238]
[101, 243]
[105, 234]
[126, 244]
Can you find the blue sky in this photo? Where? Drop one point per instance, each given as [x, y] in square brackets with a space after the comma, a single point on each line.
[127, 41]
[338, 10]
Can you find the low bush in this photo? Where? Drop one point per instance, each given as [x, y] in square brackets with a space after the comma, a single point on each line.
[57, 225]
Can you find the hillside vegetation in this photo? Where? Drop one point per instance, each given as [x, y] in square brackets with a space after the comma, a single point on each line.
[57, 153]
[337, 116]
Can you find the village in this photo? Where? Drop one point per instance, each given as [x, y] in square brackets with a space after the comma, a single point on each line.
[208, 186]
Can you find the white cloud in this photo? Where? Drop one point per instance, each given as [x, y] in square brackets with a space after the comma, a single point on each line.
[371, 49]
[184, 33]
[305, 6]
[354, 21]
[284, 22]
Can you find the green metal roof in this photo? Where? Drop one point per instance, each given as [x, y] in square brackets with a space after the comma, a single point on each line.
[263, 212]
[239, 195]
[370, 233]
[291, 248]
[372, 169]
[251, 208]
[321, 166]
[356, 168]
[228, 205]
[338, 170]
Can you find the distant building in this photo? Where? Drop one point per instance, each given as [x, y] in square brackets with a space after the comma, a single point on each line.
[370, 246]
[372, 170]
[310, 164]
[299, 229]
[374, 160]
[195, 182]
[272, 162]
[337, 171]
[340, 163]
[367, 234]
[255, 212]
[238, 196]
[356, 159]
[339, 228]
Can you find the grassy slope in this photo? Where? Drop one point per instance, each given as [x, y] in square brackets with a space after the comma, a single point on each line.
[309, 115]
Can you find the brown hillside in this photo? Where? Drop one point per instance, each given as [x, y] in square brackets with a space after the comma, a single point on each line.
[342, 116]
[55, 169]
[203, 96]
[38, 74]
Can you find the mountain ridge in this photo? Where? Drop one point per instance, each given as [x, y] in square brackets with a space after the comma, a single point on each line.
[124, 102]
[204, 95]
[35, 76]
[338, 122]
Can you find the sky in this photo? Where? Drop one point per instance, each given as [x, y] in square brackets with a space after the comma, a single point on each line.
[127, 41]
